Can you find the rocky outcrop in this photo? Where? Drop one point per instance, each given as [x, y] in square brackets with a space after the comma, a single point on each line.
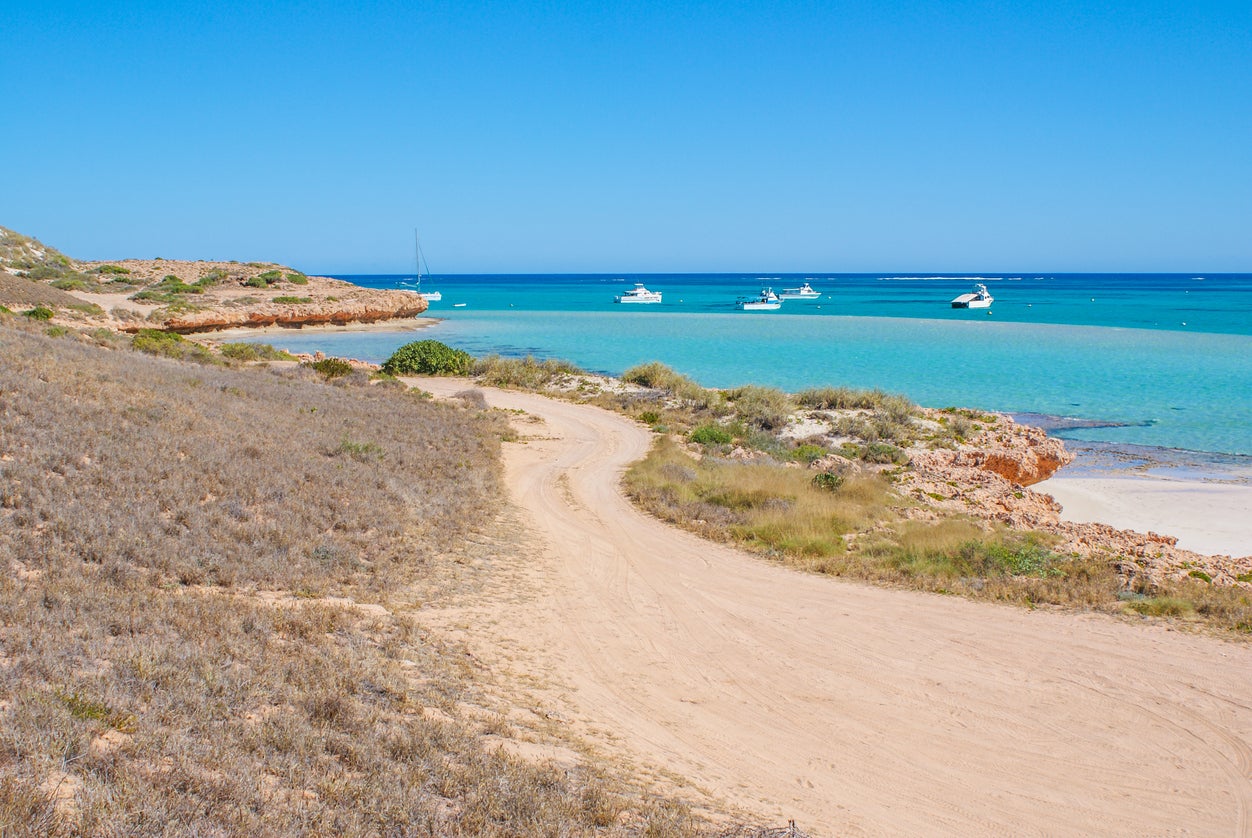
[369, 307]
[1018, 453]
[987, 478]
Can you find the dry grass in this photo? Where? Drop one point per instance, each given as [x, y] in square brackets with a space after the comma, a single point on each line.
[859, 530]
[17, 292]
[774, 510]
[171, 658]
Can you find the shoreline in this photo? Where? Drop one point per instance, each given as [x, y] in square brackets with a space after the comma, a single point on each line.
[1206, 517]
[1200, 498]
[398, 325]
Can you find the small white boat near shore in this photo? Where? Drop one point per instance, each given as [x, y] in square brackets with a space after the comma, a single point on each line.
[638, 294]
[767, 300]
[980, 297]
[804, 292]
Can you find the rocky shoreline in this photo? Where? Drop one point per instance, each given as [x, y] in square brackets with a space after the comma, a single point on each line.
[188, 297]
[988, 478]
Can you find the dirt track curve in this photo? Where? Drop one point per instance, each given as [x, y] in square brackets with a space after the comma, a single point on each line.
[857, 710]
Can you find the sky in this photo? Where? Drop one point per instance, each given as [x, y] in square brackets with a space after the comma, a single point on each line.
[536, 137]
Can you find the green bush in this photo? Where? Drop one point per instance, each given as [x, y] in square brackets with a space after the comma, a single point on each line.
[285, 300]
[263, 280]
[332, 367]
[297, 279]
[807, 452]
[169, 290]
[428, 357]
[882, 452]
[711, 435]
[157, 342]
[649, 417]
[1013, 556]
[39, 313]
[254, 352]
[110, 269]
[828, 480]
[70, 284]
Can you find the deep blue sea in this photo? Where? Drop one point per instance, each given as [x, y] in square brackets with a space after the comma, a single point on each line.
[1159, 360]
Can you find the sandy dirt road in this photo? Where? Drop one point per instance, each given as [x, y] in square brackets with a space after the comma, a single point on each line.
[855, 710]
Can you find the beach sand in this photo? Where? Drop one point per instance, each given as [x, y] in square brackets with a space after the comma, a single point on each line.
[1206, 517]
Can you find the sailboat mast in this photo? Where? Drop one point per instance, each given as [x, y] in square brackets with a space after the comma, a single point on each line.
[417, 259]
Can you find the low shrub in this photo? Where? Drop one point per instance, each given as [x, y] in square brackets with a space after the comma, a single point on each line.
[297, 279]
[1162, 606]
[711, 435]
[111, 269]
[766, 408]
[882, 452]
[428, 357]
[527, 373]
[808, 452]
[39, 313]
[332, 367]
[263, 280]
[658, 376]
[254, 352]
[286, 300]
[157, 342]
[828, 480]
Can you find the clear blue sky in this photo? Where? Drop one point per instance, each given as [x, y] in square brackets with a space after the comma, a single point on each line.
[933, 135]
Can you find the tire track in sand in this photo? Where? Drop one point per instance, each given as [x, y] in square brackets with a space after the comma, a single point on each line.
[853, 709]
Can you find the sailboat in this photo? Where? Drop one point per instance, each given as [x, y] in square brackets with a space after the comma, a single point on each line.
[428, 296]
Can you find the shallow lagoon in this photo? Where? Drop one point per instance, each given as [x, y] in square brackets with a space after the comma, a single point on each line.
[1146, 384]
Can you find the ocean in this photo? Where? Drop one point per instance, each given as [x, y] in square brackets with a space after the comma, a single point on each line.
[1132, 365]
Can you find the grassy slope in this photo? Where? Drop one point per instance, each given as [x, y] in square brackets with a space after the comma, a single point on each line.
[157, 676]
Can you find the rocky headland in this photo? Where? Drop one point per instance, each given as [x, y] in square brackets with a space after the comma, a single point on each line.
[186, 296]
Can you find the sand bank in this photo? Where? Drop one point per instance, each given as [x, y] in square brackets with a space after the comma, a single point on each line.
[1210, 518]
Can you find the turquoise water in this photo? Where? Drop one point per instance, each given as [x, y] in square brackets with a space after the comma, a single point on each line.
[1109, 350]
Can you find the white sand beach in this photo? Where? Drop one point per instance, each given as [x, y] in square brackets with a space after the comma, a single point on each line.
[1210, 518]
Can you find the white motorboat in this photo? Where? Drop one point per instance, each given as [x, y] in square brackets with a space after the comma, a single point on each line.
[804, 292]
[767, 300]
[980, 297]
[638, 294]
[428, 296]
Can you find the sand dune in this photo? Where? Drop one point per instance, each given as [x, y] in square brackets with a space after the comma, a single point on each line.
[855, 710]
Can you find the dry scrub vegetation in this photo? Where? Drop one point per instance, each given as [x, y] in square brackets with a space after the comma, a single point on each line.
[202, 625]
[725, 466]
